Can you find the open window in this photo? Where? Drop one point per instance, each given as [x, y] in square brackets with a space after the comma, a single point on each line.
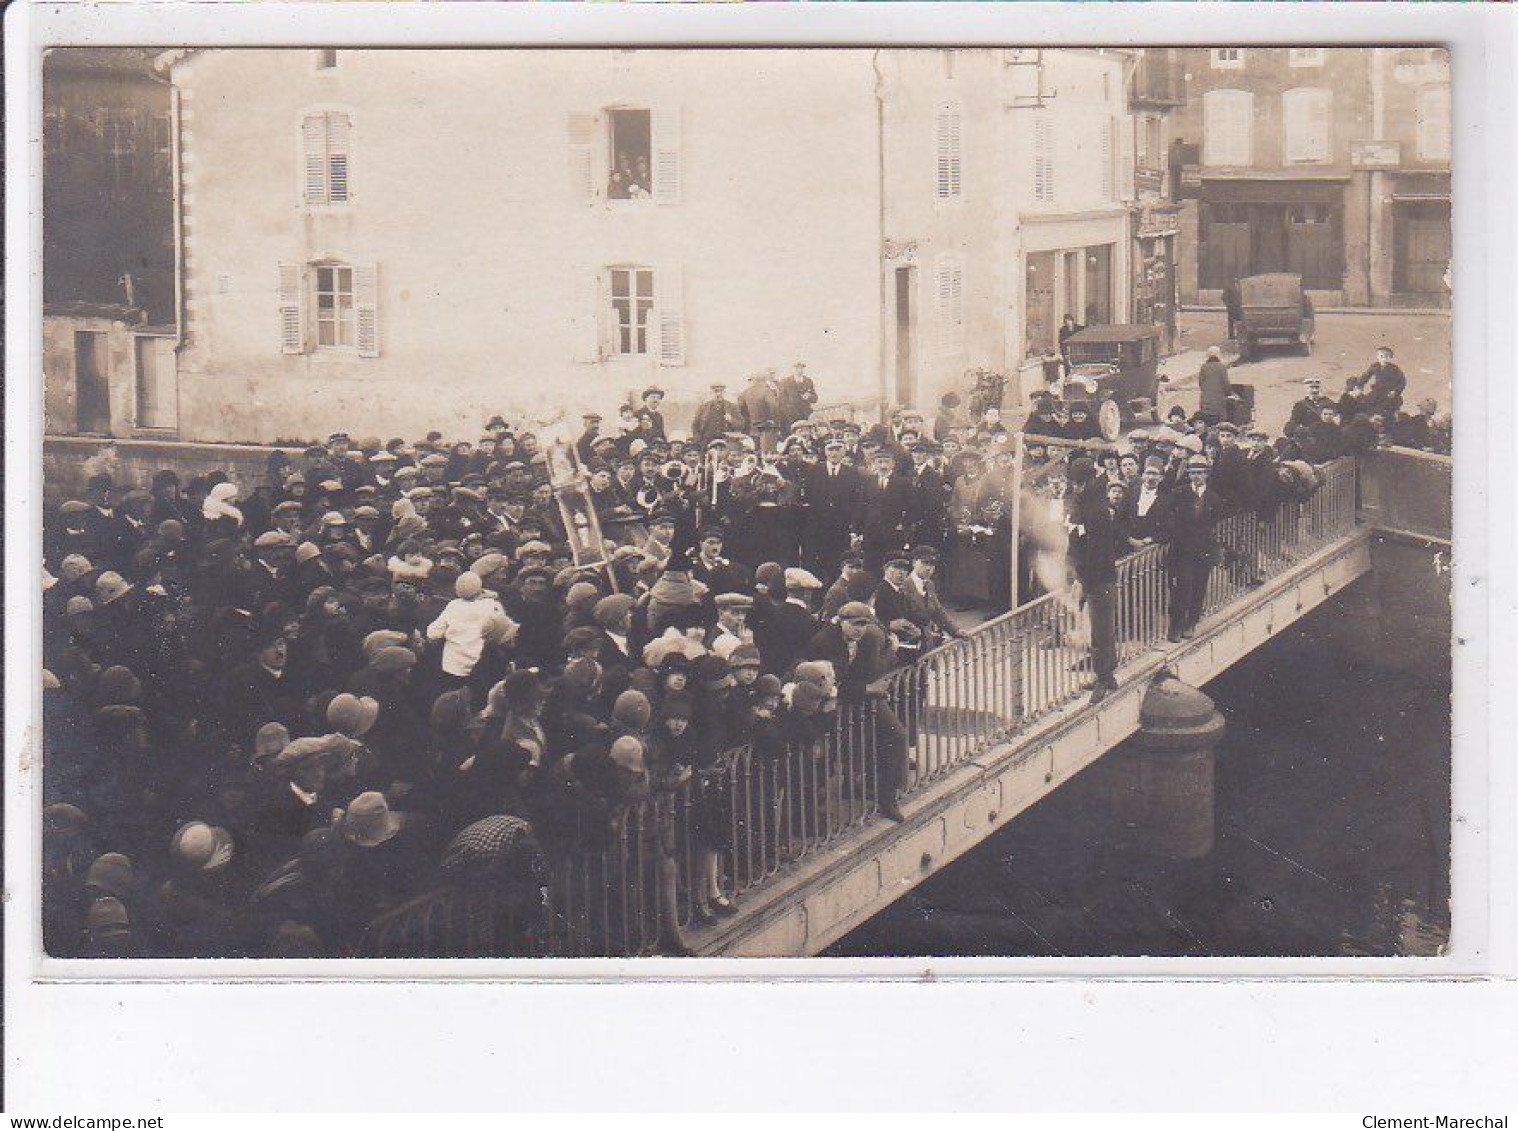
[625, 153]
[630, 171]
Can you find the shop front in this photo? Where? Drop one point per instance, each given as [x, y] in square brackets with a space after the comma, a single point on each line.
[1256, 227]
[1072, 265]
[1156, 228]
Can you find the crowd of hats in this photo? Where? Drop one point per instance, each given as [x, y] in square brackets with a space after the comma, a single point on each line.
[254, 744]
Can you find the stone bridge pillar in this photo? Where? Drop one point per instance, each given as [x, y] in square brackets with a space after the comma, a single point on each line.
[1159, 783]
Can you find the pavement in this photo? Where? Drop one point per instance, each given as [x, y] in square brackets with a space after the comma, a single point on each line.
[1343, 345]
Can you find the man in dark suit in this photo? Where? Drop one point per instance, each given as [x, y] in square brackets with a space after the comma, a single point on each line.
[860, 654]
[832, 490]
[885, 509]
[924, 609]
[1146, 512]
[717, 573]
[715, 417]
[1094, 551]
[930, 498]
[653, 397]
[890, 596]
[1195, 511]
[784, 630]
[798, 394]
[760, 402]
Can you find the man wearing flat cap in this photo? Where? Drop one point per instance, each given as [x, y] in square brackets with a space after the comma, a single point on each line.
[1195, 511]
[860, 652]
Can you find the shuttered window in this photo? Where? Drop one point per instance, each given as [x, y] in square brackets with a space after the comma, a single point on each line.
[1433, 123]
[326, 148]
[1227, 127]
[949, 285]
[1307, 113]
[1306, 57]
[1043, 158]
[1228, 58]
[947, 147]
[339, 302]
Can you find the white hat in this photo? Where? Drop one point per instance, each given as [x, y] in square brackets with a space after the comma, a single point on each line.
[800, 579]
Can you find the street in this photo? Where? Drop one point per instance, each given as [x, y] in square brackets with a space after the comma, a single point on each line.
[1343, 346]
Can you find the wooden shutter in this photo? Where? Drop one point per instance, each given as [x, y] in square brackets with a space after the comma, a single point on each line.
[1241, 128]
[366, 308]
[339, 128]
[947, 143]
[313, 140]
[665, 128]
[588, 314]
[1319, 119]
[1294, 115]
[1043, 158]
[292, 338]
[949, 283]
[1228, 127]
[582, 131]
[669, 311]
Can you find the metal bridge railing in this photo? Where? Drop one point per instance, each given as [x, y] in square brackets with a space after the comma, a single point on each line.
[765, 808]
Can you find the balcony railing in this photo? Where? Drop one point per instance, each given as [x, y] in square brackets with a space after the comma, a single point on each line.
[620, 880]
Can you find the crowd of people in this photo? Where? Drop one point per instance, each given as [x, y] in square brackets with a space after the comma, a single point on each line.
[277, 709]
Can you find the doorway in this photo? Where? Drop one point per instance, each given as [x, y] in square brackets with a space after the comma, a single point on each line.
[906, 380]
[92, 391]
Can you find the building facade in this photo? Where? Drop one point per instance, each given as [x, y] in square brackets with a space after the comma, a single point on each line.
[420, 239]
[1332, 164]
[1155, 91]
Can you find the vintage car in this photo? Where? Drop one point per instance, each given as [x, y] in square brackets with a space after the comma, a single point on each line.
[1273, 308]
[1122, 366]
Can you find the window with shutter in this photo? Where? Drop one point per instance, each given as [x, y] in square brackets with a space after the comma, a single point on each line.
[291, 306]
[949, 282]
[666, 146]
[947, 141]
[326, 157]
[1043, 158]
[1306, 114]
[1433, 110]
[1306, 57]
[1228, 58]
[1227, 127]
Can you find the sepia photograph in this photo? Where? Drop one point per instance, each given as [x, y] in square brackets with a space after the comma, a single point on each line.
[856, 503]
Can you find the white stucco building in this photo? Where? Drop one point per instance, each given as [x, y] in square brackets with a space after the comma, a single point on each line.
[401, 240]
